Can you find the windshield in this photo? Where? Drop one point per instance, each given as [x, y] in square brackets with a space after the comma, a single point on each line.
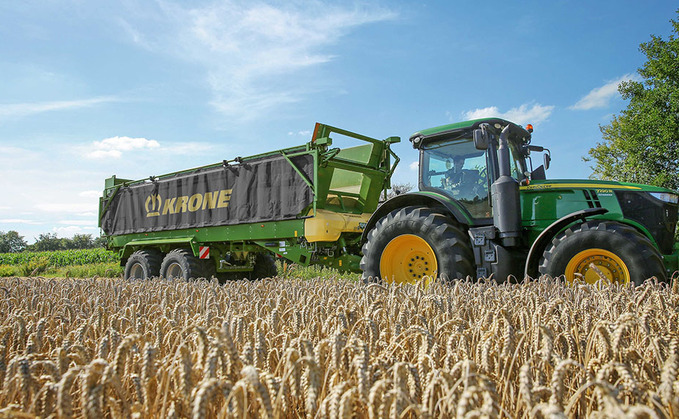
[458, 169]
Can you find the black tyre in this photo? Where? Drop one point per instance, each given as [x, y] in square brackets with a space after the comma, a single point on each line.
[265, 267]
[181, 264]
[596, 249]
[413, 242]
[143, 264]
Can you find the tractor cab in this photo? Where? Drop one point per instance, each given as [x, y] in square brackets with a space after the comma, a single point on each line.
[456, 165]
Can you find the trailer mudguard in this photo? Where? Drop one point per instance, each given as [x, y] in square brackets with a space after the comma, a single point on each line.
[425, 199]
[165, 244]
[547, 234]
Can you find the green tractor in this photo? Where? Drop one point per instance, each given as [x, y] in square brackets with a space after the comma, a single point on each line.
[482, 210]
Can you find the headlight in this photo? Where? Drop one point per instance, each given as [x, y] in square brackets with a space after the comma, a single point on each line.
[665, 197]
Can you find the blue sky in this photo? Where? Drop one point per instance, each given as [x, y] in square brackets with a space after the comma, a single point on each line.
[89, 89]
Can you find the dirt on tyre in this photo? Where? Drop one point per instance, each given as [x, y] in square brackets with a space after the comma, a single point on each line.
[182, 264]
[413, 243]
[596, 249]
[143, 264]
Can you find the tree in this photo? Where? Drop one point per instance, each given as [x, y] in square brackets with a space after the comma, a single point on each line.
[11, 242]
[47, 242]
[81, 241]
[99, 242]
[398, 189]
[642, 143]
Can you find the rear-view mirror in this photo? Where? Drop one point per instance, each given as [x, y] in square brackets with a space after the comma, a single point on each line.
[480, 139]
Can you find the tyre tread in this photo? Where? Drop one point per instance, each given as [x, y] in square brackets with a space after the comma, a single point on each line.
[645, 262]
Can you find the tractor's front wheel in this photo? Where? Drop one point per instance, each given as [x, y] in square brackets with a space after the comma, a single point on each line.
[413, 243]
[595, 250]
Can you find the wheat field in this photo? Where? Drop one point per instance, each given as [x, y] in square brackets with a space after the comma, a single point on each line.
[286, 348]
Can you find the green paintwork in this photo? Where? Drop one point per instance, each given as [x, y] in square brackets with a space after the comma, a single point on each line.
[450, 202]
[349, 180]
[165, 243]
[544, 201]
[464, 125]
[592, 184]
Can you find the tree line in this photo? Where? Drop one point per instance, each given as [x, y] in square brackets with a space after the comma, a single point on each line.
[12, 242]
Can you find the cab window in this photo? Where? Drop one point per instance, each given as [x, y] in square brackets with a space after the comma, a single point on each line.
[458, 169]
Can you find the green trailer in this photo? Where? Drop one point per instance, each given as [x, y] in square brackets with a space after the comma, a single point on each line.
[306, 204]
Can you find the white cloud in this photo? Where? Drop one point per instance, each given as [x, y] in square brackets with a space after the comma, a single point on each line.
[115, 146]
[69, 231]
[414, 165]
[305, 133]
[65, 207]
[15, 110]
[600, 97]
[19, 221]
[86, 223]
[253, 53]
[524, 114]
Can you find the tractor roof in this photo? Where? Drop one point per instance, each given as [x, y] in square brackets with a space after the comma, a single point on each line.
[440, 132]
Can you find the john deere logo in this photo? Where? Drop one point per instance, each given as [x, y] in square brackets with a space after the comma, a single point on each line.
[155, 205]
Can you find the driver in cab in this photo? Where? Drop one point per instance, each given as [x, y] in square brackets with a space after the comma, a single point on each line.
[455, 174]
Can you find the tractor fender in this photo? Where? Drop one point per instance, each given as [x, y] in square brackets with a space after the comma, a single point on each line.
[548, 234]
[414, 199]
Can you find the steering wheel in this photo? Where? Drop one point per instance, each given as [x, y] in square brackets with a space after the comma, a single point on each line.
[483, 174]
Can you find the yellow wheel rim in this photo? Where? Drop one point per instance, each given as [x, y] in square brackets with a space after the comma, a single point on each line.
[408, 258]
[592, 264]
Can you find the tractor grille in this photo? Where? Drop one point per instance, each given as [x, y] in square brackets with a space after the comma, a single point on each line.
[659, 217]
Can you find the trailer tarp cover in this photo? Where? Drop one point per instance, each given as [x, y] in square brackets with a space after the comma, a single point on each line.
[266, 189]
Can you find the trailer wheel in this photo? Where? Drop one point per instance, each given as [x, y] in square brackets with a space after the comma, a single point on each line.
[596, 249]
[181, 264]
[143, 264]
[265, 267]
[413, 243]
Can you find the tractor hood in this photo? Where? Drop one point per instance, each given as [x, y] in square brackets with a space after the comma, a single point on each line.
[654, 208]
[597, 184]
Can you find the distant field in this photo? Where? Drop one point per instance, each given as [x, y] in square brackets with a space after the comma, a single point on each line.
[336, 348]
[65, 263]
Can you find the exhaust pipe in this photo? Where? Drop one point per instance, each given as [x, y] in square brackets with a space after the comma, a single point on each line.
[505, 196]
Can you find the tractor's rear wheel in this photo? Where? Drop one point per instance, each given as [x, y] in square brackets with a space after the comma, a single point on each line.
[181, 264]
[601, 249]
[143, 264]
[415, 243]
